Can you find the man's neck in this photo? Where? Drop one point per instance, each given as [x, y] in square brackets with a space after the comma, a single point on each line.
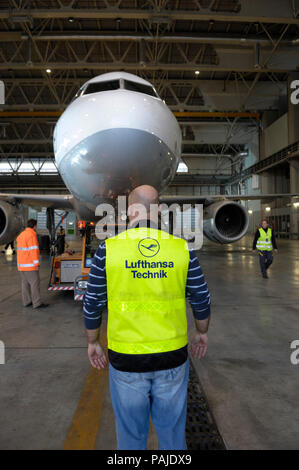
[143, 223]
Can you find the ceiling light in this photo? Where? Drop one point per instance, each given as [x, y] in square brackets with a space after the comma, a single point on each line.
[250, 211]
[71, 19]
[268, 209]
[48, 70]
[296, 204]
[197, 72]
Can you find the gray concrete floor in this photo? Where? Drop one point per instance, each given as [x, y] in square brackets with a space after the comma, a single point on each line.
[248, 378]
[250, 384]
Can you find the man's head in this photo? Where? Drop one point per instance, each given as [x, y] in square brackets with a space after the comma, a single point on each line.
[140, 201]
[32, 223]
[264, 223]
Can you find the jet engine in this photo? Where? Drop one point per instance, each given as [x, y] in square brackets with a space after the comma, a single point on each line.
[225, 222]
[11, 222]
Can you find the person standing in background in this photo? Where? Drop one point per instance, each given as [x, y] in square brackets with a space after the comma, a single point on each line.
[28, 260]
[60, 240]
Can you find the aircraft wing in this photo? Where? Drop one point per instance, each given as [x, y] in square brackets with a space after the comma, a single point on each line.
[66, 202]
[219, 197]
[57, 201]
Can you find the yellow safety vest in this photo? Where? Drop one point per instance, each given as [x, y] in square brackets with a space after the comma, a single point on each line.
[146, 271]
[264, 242]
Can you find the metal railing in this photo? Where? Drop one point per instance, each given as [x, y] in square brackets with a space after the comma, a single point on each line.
[291, 151]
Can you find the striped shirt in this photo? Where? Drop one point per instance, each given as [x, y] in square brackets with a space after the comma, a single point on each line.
[95, 297]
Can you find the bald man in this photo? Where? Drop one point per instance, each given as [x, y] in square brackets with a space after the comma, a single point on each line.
[144, 275]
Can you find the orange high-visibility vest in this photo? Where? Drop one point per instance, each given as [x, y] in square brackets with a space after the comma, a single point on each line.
[27, 250]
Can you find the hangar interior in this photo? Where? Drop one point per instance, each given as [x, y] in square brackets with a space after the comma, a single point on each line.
[228, 69]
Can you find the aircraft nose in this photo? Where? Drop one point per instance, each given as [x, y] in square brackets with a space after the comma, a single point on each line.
[114, 161]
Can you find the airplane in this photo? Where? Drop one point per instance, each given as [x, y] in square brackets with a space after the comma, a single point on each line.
[116, 134]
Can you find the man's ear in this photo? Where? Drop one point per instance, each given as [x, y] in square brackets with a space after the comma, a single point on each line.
[137, 210]
[131, 211]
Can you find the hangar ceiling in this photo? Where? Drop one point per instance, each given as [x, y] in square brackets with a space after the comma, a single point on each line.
[205, 55]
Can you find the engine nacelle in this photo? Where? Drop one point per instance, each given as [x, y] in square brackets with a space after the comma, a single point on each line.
[225, 222]
[11, 222]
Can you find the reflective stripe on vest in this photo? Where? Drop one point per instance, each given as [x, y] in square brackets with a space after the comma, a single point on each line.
[146, 272]
[28, 265]
[34, 247]
[264, 242]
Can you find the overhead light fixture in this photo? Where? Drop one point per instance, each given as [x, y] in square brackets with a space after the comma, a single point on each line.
[197, 72]
[250, 211]
[48, 70]
[268, 209]
[71, 19]
[296, 204]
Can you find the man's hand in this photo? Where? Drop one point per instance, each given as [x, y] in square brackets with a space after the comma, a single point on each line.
[97, 355]
[275, 250]
[199, 344]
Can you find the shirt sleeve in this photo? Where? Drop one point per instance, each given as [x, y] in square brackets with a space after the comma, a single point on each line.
[35, 250]
[95, 297]
[256, 237]
[274, 240]
[197, 291]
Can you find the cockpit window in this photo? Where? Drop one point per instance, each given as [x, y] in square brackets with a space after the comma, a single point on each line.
[101, 86]
[78, 93]
[140, 88]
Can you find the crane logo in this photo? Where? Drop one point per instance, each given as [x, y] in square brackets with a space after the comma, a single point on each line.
[148, 247]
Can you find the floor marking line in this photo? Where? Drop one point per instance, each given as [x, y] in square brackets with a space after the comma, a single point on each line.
[84, 428]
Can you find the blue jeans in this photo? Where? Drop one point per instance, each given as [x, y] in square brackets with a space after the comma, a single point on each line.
[161, 394]
[266, 259]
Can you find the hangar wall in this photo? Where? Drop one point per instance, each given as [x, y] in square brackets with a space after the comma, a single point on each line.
[276, 136]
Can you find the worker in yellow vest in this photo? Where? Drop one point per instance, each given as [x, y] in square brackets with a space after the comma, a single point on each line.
[144, 274]
[264, 241]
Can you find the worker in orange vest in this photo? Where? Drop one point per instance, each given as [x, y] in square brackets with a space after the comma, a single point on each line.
[28, 265]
